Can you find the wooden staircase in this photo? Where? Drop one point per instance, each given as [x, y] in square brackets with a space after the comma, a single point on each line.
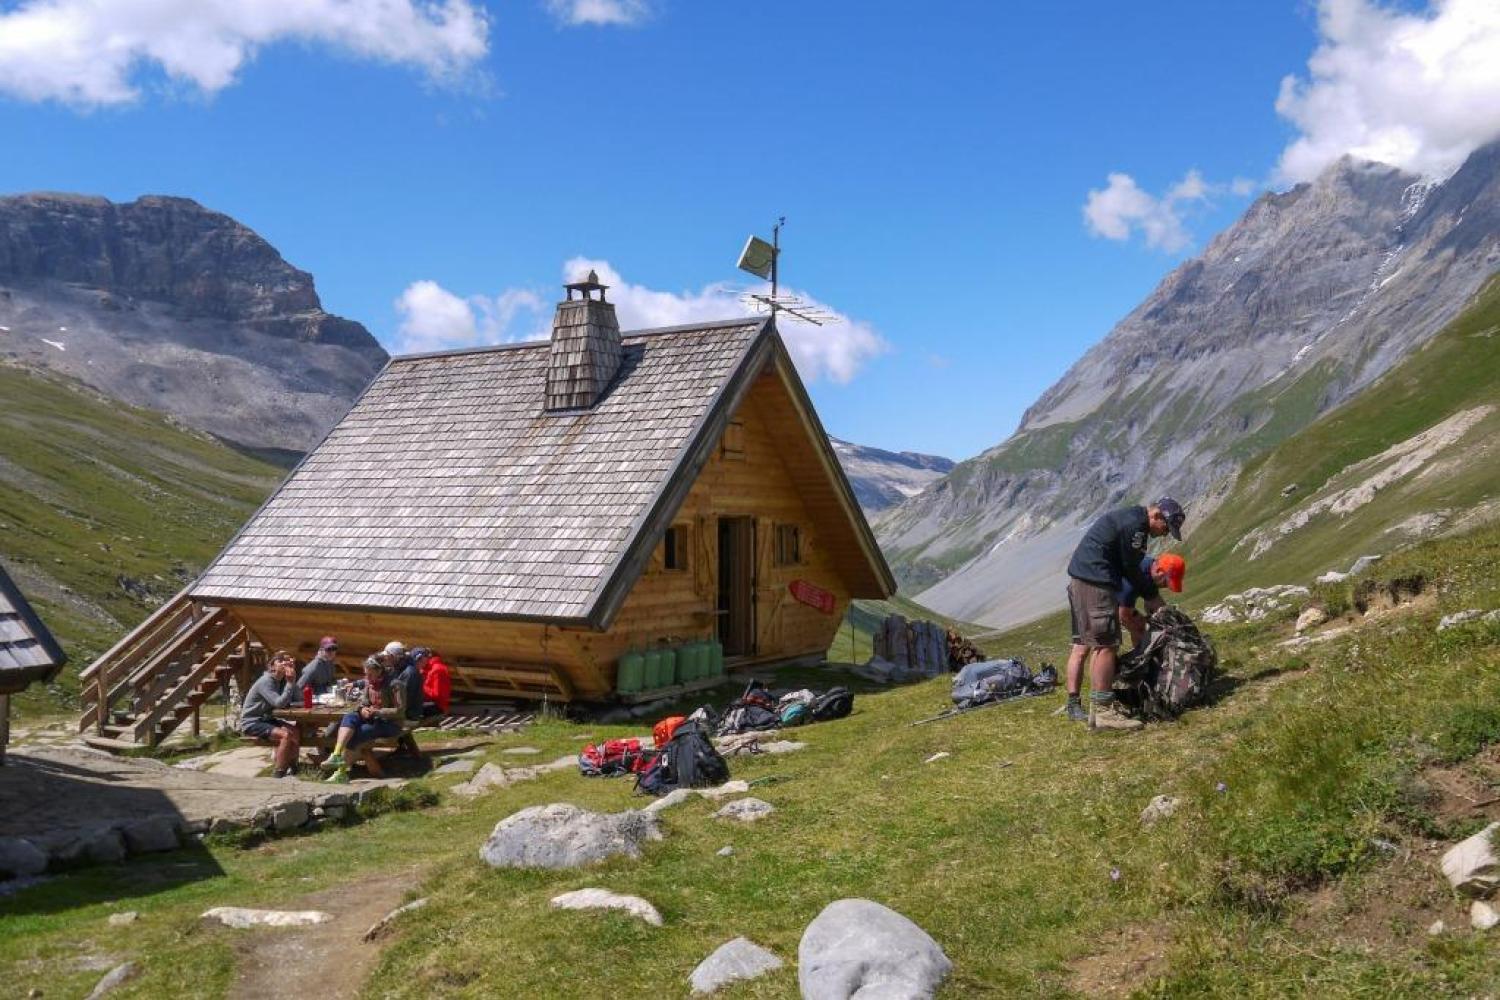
[163, 672]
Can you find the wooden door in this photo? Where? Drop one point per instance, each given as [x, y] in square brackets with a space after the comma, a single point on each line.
[737, 585]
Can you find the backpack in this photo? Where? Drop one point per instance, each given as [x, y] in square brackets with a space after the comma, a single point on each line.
[740, 718]
[689, 760]
[612, 757]
[835, 703]
[795, 713]
[1170, 673]
[663, 730]
[990, 680]
[756, 694]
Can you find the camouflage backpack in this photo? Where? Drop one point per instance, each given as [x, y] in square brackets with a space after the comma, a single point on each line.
[1171, 672]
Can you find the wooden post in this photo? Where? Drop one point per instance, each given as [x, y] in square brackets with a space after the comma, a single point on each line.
[4, 725]
[197, 721]
[103, 712]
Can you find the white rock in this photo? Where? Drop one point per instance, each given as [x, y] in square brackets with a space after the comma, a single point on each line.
[1459, 618]
[113, 978]
[241, 918]
[561, 835]
[735, 787]
[1159, 809]
[1333, 576]
[1491, 617]
[1363, 563]
[667, 801]
[725, 852]
[940, 755]
[457, 767]
[858, 948]
[290, 815]
[733, 961]
[491, 776]
[1482, 916]
[746, 810]
[380, 926]
[20, 858]
[1311, 618]
[783, 746]
[122, 919]
[1437, 927]
[521, 751]
[1472, 865]
[603, 899]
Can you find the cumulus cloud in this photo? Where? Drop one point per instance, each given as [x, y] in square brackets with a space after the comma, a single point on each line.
[1122, 208]
[433, 318]
[88, 54]
[619, 12]
[1416, 90]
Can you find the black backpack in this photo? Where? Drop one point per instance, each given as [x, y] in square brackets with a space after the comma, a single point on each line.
[835, 703]
[689, 760]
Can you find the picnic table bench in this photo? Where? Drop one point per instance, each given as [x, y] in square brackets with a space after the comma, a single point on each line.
[313, 722]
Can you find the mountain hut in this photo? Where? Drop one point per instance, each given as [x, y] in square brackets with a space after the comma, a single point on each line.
[539, 511]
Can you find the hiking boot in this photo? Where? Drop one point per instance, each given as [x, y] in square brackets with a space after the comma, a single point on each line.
[1075, 712]
[338, 777]
[333, 762]
[1109, 716]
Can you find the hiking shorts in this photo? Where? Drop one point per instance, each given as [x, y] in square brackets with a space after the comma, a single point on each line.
[1096, 614]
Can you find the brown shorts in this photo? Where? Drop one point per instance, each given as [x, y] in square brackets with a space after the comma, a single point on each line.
[1096, 614]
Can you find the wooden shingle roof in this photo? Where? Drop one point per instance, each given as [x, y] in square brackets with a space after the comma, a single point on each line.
[448, 488]
[28, 653]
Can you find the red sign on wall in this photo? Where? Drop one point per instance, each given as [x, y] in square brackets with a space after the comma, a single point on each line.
[812, 595]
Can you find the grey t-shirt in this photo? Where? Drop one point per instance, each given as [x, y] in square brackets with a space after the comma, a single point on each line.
[318, 673]
[265, 696]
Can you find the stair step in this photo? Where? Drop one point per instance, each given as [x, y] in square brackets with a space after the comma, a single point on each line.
[113, 746]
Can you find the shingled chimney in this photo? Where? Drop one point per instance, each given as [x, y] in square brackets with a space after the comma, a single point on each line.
[585, 347]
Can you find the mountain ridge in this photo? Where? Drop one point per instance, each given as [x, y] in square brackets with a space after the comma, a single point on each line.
[1309, 297]
[161, 302]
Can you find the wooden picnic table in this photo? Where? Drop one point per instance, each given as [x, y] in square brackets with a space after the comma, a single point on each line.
[311, 722]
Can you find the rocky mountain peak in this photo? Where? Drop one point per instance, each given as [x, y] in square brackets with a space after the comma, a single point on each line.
[164, 303]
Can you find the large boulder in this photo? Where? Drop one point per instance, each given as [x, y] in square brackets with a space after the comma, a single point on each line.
[858, 948]
[562, 835]
[603, 899]
[746, 810]
[1472, 865]
[154, 833]
[242, 918]
[731, 962]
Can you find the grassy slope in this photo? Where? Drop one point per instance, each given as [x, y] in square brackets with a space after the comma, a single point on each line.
[1457, 370]
[1003, 851]
[105, 510]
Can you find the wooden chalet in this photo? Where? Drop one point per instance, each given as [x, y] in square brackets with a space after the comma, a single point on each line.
[535, 511]
[28, 653]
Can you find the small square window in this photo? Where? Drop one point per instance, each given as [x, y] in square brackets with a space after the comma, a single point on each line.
[788, 545]
[675, 548]
[734, 440]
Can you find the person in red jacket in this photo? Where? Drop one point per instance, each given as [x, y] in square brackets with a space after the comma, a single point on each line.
[437, 682]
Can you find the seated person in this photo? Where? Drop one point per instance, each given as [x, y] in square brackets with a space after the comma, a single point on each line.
[409, 678]
[437, 686]
[1165, 570]
[276, 688]
[379, 711]
[321, 670]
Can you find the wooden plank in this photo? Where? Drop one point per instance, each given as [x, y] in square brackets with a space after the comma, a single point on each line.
[146, 726]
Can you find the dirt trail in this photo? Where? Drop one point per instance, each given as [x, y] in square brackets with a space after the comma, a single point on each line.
[330, 961]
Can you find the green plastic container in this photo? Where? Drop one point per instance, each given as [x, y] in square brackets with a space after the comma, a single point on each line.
[687, 662]
[671, 667]
[716, 658]
[631, 674]
[653, 669]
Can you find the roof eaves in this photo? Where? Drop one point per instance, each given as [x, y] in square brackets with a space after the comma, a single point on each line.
[605, 603]
[554, 620]
[34, 625]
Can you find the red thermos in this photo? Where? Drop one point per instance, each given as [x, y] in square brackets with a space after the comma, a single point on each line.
[307, 696]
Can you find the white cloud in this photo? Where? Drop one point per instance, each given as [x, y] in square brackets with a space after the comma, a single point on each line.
[90, 53]
[433, 318]
[1417, 90]
[1122, 208]
[579, 12]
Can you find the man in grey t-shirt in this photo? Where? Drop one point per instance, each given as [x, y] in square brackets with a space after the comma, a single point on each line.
[321, 670]
[276, 688]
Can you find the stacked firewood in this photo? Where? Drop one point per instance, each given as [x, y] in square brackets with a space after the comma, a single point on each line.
[961, 651]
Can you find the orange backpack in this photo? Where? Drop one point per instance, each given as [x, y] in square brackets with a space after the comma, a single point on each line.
[662, 732]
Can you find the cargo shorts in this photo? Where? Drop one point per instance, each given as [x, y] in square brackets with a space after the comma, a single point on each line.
[1096, 614]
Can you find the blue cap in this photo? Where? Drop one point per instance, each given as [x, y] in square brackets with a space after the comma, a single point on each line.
[1175, 515]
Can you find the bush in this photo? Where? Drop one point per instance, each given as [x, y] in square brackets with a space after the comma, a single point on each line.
[1466, 730]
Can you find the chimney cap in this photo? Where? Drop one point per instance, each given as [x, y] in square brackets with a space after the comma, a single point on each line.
[586, 286]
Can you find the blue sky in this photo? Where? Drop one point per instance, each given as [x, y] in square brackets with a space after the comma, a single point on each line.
[933, 164]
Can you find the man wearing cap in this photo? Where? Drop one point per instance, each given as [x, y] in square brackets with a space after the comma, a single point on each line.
[1109, 555]
[320, 670]
[1165, 570]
